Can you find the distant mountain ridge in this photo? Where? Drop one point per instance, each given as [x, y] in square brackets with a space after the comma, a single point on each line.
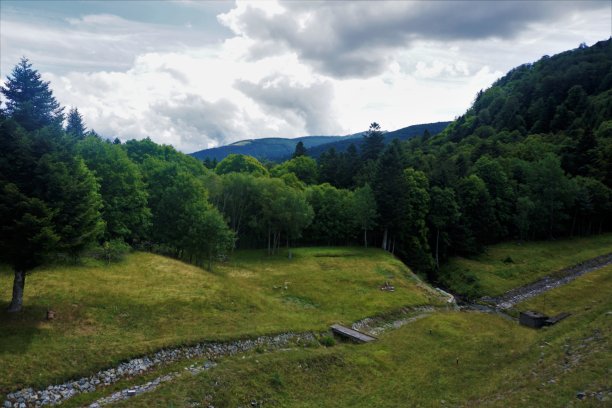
[401, 134]
[278, 149]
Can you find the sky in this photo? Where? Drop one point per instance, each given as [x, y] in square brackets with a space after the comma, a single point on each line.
[199, 74]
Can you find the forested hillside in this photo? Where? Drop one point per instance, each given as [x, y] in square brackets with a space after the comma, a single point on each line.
[279, 149]
[531, 159]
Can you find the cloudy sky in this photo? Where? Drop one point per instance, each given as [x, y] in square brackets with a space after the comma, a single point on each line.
[198, 74]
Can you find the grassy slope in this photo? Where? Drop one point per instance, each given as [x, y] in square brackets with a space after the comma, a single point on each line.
[109, 313]
[530, 261]
[500, 363]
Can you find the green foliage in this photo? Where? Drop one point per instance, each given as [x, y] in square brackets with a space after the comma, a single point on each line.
[281, 209]
[111, 251]
[327, 341]
[373, 143]
[239, 163]
[303, 167]
[182, 217]
[364, 210]
[73, 190]
[123, 192]
[29, 101]
[75, 126]
[333, 221]
[300, 150]
[50, 201]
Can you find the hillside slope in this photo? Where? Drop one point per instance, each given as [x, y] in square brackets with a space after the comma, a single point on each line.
[105, 314]
[446, 359]
[279, 149]
[269, 148]
[401, 134]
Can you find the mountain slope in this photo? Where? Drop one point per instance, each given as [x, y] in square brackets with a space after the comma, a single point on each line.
[270, 148]
[401, 134]
[278, 149]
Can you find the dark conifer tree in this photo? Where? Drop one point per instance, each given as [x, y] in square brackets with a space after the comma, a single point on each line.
[373, 143]
[75, 126]
[300, 150]
[30, 102]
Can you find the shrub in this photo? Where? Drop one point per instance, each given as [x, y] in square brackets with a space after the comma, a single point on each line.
[327, 341]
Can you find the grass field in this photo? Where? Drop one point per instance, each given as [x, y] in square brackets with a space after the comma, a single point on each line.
[501, 364]
[109, 313]
[508, 265]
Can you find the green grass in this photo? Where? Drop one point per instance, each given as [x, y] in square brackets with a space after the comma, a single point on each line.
[106, 314]
[501, 364]
[509, 265]
[591, 291]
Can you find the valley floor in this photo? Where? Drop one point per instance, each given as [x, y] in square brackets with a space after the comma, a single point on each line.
[436, 356]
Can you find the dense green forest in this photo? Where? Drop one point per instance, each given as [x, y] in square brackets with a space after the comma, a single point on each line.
[531, 159]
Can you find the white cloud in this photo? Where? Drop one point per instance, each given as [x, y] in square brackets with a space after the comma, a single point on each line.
[289, 69]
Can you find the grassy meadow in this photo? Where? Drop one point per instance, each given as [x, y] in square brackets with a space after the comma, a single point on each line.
[509, 265]
[105, 314]
[500, 364]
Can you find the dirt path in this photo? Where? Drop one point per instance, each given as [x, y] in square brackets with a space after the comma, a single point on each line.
[562, 277]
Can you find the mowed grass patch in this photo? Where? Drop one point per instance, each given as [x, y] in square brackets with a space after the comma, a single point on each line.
[105, 314]
[447, 359]
[509, 265]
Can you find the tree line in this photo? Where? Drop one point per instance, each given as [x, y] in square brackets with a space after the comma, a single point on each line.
[531, 159]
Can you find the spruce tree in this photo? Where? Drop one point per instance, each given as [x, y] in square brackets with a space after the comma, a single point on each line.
[29, 101]
[300, 150]
[373, 143]
[75, 126]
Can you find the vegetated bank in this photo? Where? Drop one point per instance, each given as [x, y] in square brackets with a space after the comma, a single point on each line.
[453, 358]
[107, 313]
[508, 265]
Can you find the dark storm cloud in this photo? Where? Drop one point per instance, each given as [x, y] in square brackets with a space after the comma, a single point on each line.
[355, 39]
[300, 105]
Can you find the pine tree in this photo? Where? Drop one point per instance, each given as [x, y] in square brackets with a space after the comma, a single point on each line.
[373, 143]
[75, 126]
[49, 201]
[300, 150]
[30, 102]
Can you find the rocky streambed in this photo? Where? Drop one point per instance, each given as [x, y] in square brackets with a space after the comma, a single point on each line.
[56, 394]
[562, 277]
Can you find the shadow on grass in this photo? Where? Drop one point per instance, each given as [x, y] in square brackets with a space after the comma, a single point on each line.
[18, 329]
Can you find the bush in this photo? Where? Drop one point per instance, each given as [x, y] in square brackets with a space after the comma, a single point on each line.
[277, 381]
[327, 341]
[112, 251]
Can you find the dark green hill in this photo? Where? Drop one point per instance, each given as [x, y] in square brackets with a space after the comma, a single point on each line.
[279, 149]
[401, 134]
[531, 158]
[569, 92]
[270, 148]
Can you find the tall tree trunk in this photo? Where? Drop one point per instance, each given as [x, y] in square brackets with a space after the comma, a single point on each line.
[288, 248]
[573, 223]
[365, 238]
[18, 285]
[384, 243]
[269, 253]
[437, 246]
[600, 226]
